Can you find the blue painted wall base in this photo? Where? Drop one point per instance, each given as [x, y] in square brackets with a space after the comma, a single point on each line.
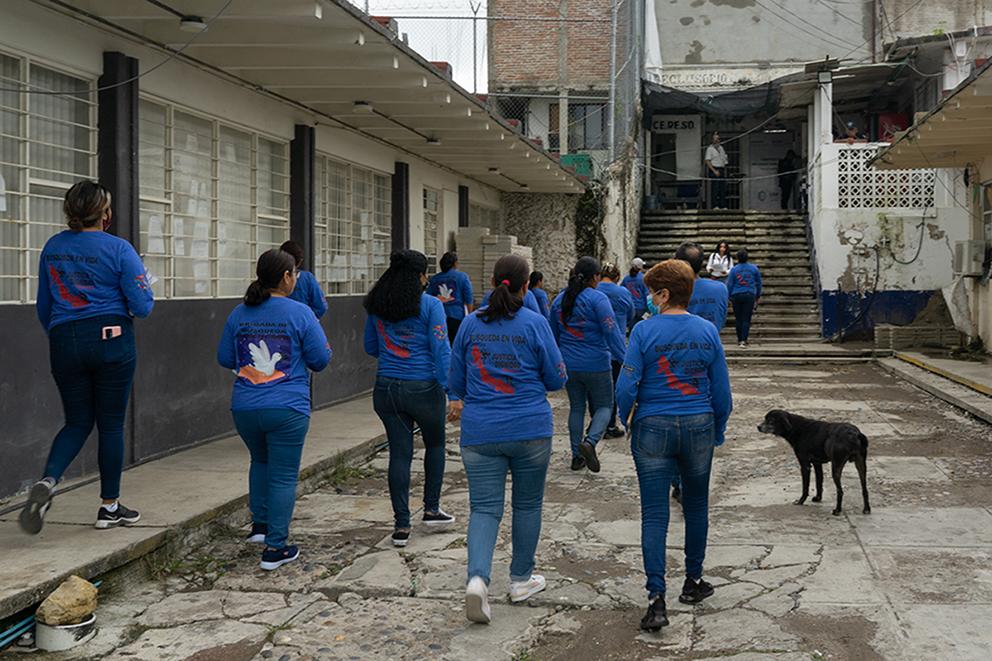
[856, 315]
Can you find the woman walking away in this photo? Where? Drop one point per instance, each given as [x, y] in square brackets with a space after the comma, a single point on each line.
[720, 262]
[588, 334]
[530, 301]
[675, 374]
[454, 289]
[270, 341]
[634, 283]
[90, 284]
[503, 364]
[307, 289]
[536, 287]
[406, 330]
[744, 288]
[623, 309]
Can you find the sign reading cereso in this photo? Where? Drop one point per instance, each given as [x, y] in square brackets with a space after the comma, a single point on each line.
[687, 131]
[666, 123]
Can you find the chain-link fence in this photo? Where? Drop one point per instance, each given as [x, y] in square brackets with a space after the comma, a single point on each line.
[565, 73]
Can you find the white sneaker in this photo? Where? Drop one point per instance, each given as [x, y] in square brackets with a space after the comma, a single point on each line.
[527, 589]
[743, 345]
[477, 601]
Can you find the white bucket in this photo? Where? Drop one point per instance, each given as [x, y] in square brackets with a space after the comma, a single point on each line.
[64, 637]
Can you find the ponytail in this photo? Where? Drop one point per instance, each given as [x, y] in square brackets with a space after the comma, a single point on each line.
[271, 267]
[581, 277]
[510, 275]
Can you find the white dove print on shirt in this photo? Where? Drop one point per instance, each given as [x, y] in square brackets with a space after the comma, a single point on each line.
[445, 294]
[259, 356]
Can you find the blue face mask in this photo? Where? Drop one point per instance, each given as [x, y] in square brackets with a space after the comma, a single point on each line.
[652, 308]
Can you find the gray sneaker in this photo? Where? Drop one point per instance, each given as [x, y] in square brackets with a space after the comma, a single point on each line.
[32, 517]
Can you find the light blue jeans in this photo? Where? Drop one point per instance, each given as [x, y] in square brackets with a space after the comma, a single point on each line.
[275, 441]
[486, 467]
[597, 389]
[663, 447]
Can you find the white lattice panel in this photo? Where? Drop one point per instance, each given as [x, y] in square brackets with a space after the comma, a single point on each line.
[862, 187]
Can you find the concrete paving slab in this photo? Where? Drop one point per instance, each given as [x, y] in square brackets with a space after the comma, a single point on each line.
[939, 527]
[934, 575]
[905, 469]
[380, 574]
[221, 639]
[947, 632]
[843, 576]
[740, 630]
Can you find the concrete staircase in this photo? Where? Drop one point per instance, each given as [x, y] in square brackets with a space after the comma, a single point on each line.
[776, 241]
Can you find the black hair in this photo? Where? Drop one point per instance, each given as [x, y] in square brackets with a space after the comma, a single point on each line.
[271, 267]
[727, 243]
[85, 203]
[536, 278]
[509, 278]
[742, 257]
[582, 275]
[396, 295]
[448, 261]
[294, 249]
[691, 253]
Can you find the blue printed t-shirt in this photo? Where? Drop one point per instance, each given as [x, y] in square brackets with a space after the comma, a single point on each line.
[675, 365]
[503, 371]
[621, 300]
[591, 336]
[543, 302]
[412, 349]
[454, 289]
[709, 301]
[271, 346]
[744, 279]
[88, 274]
[530, 301]
[638, 291]
[308, 292]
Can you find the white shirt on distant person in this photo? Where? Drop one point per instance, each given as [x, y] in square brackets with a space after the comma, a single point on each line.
[717, 156]
[719, 265]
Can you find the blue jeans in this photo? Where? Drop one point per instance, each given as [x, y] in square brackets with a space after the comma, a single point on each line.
[663, 447]
[275, 441]
[743, 309]
[486, 467]
[94, 378]
[597, 389]
[402, 405]
[719, 188]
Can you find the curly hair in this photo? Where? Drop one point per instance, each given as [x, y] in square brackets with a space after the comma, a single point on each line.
[396, 295]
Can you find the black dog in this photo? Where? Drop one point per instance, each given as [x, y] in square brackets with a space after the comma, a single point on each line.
[815, 443]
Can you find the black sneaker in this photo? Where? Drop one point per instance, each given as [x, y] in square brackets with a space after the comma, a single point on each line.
[39, 500]
[438, 518]
[258, 533]
[677, 494]
[588, 451]
[276, 558]
[695, 591]
[122, 516]
[578, 463]
[615, 432]
[401, 537]
[656, 617]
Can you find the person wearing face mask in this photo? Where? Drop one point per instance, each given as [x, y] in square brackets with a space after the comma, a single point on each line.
[90, 285]
[271, 341]
[674, 395]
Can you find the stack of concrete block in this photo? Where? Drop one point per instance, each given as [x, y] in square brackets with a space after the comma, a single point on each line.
[471, 257]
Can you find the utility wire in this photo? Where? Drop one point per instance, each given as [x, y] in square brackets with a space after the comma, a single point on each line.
[827, 38]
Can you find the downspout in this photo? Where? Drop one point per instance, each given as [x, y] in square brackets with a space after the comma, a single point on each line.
[874, 31]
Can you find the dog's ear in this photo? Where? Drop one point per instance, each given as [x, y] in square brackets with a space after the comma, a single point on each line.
[784, 422]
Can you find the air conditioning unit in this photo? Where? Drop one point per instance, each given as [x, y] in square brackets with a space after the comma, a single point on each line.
[968, 257]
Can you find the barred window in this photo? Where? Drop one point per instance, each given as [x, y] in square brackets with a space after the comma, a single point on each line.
[480, 216]
[213, 197]
[432, 226]
[47, 143]
[352, 226]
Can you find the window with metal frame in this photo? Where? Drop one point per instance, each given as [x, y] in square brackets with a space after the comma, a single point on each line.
[481, 216]
[47, 143]
[432, 226]
[213, 197]
[352, 228]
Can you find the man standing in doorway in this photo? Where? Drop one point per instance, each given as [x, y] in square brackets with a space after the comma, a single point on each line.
[788, 175]
[716, 169]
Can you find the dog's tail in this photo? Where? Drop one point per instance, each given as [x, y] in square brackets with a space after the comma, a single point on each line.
[864, 443]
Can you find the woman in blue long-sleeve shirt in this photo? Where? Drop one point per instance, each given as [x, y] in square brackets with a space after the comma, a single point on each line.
[407, 331]
[623, 308]
[536, 288]
[634, 283]
[589, 335]
[503, 364]
[307, 289]
[454, 289]
[675, 373]
[271, 341]
[744, 288]
[90, 284]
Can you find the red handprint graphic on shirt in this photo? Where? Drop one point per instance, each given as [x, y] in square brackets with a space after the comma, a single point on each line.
[664, 367]
[75, 300]
[499, 385]
[391, 346]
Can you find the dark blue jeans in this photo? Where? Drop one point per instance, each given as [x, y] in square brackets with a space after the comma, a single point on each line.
[596, 388]
[743, 309]
[486, 467]
[94, 379]
[719, 188]
[663, 447]
[275, 441]
[403, 405]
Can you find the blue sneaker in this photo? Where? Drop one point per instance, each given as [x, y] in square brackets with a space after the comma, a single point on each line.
[276, 558]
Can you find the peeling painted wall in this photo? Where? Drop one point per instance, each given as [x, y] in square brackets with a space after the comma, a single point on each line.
[546, 223]
[910, 18]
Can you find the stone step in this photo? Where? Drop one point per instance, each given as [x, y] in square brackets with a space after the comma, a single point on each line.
[729, 231]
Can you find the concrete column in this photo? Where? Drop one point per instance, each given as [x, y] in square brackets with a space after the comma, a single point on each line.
[401, 206]
[302, 190]
[117, 141]
[563, 78]
[823, 103]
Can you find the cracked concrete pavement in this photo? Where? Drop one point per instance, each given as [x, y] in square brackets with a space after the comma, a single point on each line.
[912, 580]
